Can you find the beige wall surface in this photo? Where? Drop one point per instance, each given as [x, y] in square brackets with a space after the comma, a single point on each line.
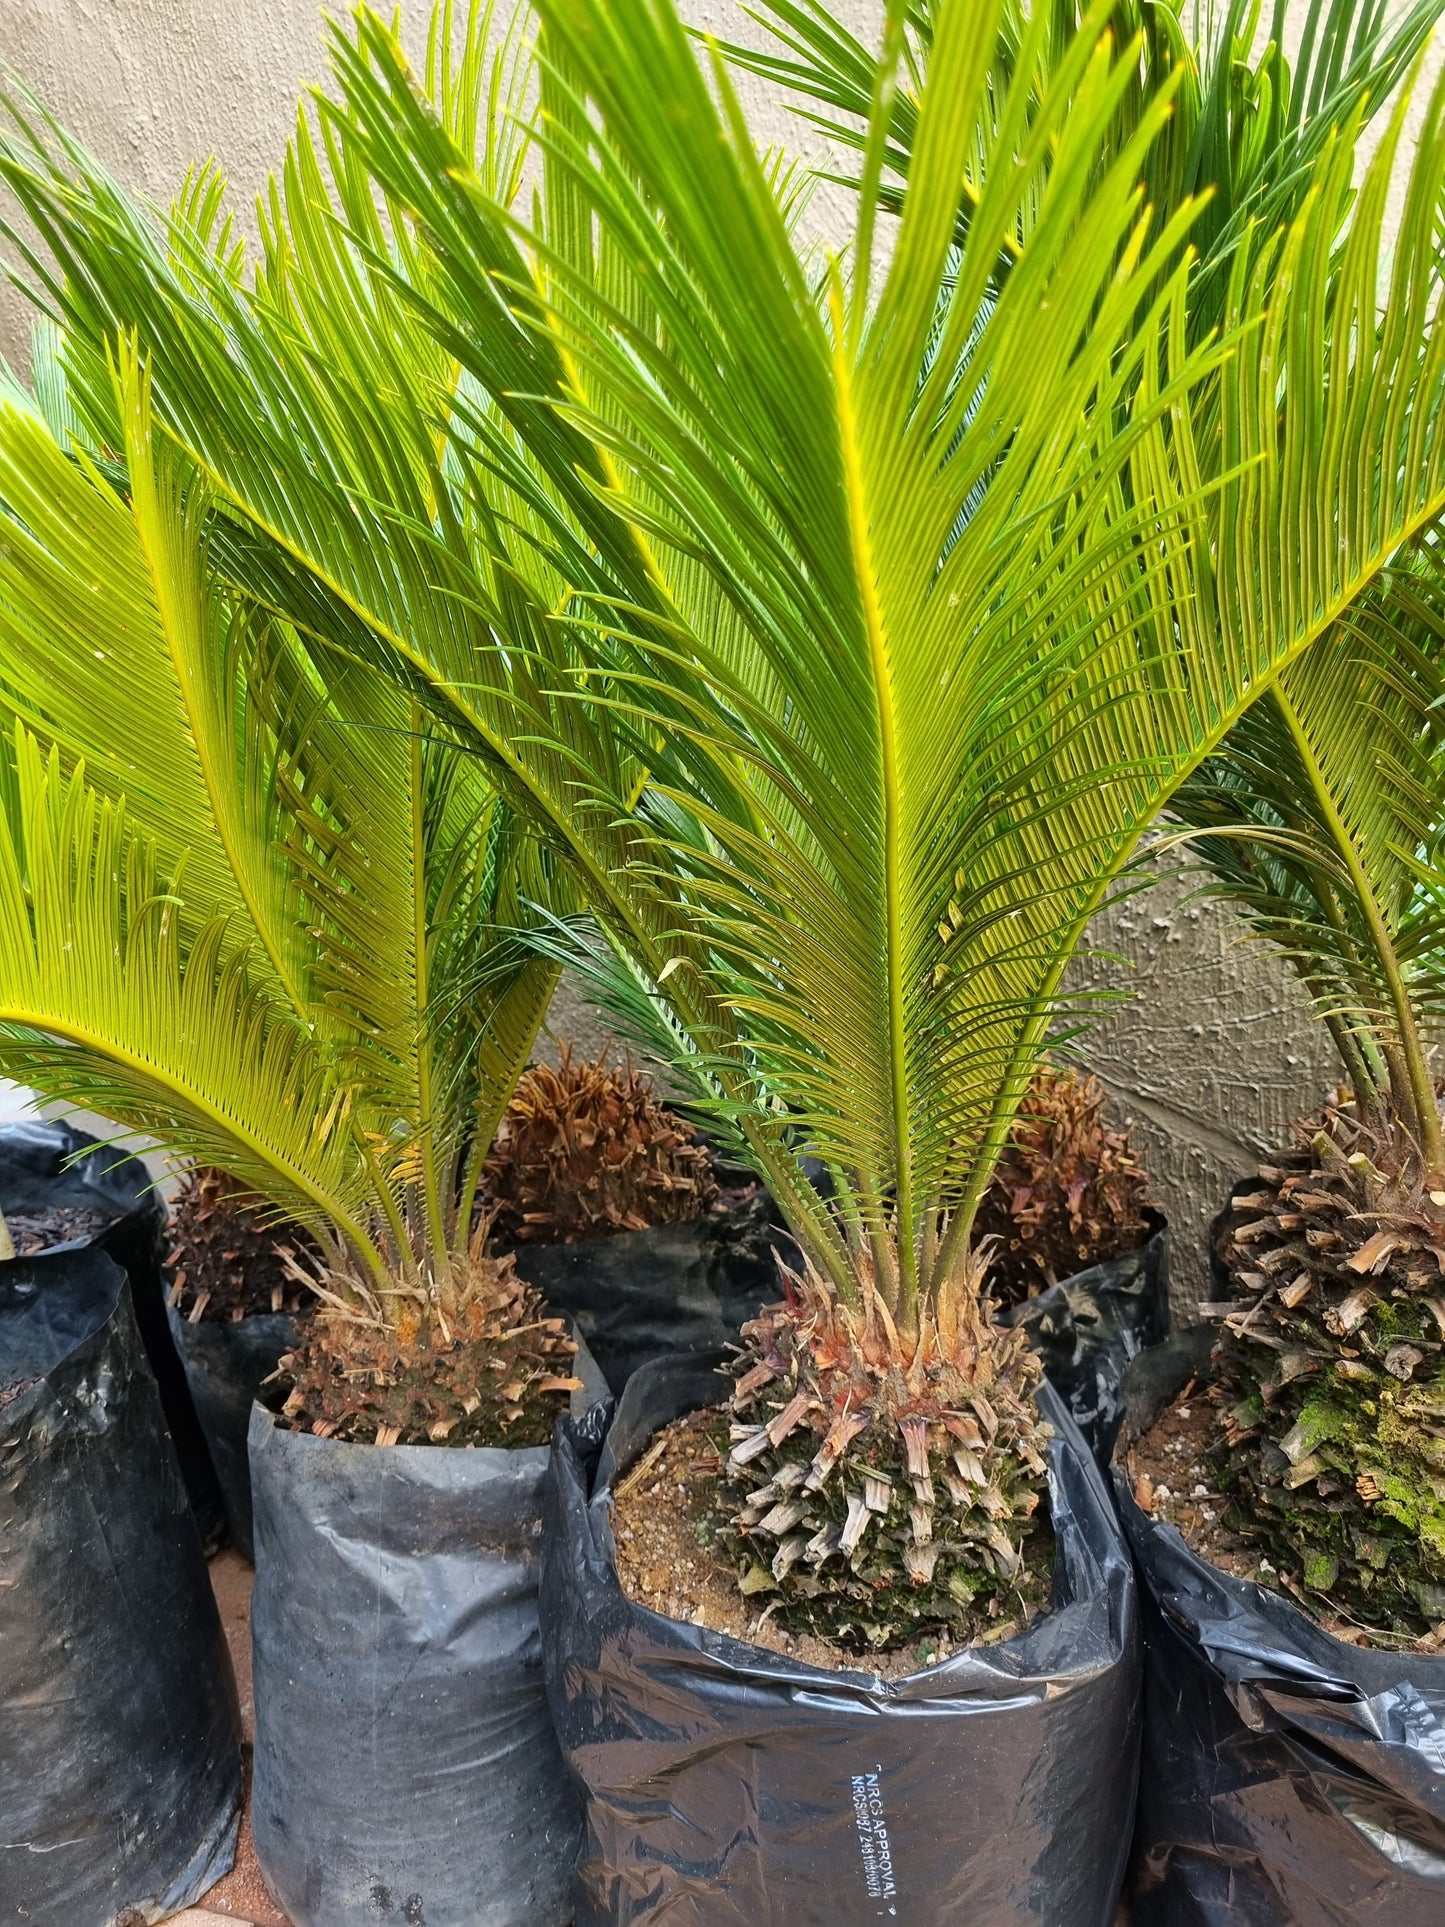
[1216, 1055]
[153, 85]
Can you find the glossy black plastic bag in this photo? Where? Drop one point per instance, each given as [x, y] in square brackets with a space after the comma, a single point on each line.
[47, 1165]
[640, 1295]
[405, 1765]
[643, 1295]
[727, 1786]
[1289, 1779]
[120, 1754]
[227, 1364]
[1087, 1329]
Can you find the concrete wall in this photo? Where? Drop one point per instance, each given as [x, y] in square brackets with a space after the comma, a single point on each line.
[1215, 1057]
[1210, 1058]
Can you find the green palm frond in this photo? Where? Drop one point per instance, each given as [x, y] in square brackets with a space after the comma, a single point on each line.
[115, 586]
[1328, 781]
[342, 893]
[1321, 821]
[843, 636]
[1247, 126]
[104, 995]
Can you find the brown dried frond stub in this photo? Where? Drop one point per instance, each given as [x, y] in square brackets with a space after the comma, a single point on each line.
[880, 1484]
[1068, 1192]
[496, 1373]
[1332, 1356]
[587, 1149]
[226, 1257]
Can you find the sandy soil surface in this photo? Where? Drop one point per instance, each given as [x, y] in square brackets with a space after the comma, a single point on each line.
[242, 1895]
[664, 1521]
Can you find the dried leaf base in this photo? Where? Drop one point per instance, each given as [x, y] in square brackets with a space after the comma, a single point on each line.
[498, 1372]
[879, 1483]
[1333, 1364]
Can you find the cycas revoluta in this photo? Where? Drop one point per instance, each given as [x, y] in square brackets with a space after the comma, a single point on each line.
[844, 628]
[1069, 1190]
[262, 916]
[1319, 820]
[587, 1149]
[1334, 1362]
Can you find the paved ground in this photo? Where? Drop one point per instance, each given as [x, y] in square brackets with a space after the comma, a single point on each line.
[242, 1895]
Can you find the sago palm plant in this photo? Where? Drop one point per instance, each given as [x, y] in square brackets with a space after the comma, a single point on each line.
[1324, 824]
[1319, 819]
[268, 920]
[842, 626]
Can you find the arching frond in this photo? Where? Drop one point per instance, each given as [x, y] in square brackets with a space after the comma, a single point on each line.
[843, 637]
[174, 1035]
[1248, 124]
[334, 872]
[1320, 820]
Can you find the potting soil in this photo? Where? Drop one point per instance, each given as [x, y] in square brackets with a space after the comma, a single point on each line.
[32, 1231]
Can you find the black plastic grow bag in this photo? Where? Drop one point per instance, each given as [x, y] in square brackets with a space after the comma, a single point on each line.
[723, 1784]
[1087, 1329]
[634, 1296]
[640, 1295]
[226, 1365]
[405, 1765]
[120, 1757]
[48, 1165]
[1288, 1780]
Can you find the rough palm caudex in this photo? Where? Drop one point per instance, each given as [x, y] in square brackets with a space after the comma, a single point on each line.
[1069, 1191]
[225, 1259]
[1333, 1372]
[490, 1373]
[882, 1480]
[587, 1149]
[583, 1150]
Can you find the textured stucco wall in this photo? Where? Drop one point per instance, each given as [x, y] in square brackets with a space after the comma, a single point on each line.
[1209, 1060]
[1214, 1058]
[154, 85]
